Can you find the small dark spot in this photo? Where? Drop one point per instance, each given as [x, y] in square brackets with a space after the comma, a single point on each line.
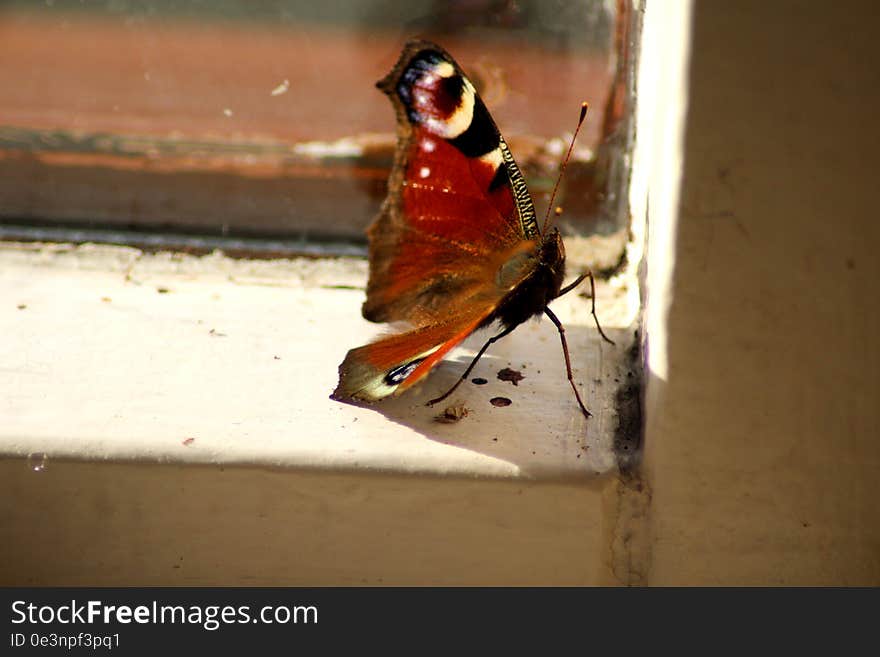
[494, 440]
[277, 357]
[21, 306]
[805, 524]
[188, 441]
[480, 381]
[850, 263]
[216, 333]
[500, 401]
[508, 374]
[162, 290]
[452, 414]
[342, 287]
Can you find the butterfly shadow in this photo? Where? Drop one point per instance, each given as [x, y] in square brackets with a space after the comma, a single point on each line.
[522, 410]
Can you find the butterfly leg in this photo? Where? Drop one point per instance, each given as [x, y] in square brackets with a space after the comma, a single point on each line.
[561, 329]
[464, 376]
[578, 281]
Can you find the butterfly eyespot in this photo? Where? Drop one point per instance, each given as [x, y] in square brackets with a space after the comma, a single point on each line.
[398, 375]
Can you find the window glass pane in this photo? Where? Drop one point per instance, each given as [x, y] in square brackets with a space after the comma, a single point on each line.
[261, 117]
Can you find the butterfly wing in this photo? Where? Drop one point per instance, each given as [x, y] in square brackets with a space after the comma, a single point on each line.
[391, 365]
[456, 196]
[455, 235]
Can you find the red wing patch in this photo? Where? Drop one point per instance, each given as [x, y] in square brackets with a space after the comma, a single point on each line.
[447, 194]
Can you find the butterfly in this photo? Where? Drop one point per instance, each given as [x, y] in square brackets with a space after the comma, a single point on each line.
[456, 245]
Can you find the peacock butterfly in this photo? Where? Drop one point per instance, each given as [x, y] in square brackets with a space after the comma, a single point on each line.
[456, 245]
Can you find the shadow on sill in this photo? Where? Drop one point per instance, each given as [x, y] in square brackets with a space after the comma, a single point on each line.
[541, 431]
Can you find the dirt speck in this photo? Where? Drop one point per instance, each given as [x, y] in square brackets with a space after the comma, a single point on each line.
[508, 374]
[500, 401]
[452, 414]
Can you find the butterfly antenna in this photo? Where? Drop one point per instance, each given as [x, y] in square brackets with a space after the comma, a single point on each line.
[584, 107]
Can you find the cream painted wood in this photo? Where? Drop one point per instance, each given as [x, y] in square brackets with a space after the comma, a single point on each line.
[110, 353]
[136, 523]
[763, 423]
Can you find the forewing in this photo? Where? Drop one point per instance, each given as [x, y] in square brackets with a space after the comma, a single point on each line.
[456, 197]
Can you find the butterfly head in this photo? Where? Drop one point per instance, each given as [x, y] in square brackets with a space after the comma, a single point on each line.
[553, 253]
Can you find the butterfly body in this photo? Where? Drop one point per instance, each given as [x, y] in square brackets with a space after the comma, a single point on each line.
[456, 246]
[533, 281]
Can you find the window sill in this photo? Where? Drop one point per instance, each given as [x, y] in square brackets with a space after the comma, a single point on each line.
[114, 354]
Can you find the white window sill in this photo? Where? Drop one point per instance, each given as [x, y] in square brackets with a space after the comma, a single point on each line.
[109, 353]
